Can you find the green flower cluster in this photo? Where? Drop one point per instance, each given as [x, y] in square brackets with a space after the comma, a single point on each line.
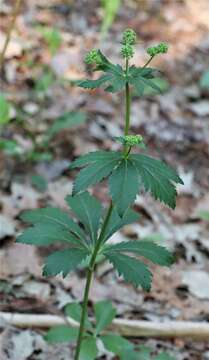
[93, 57]
[162, 48]
[129, 39]
[132, 140]
[127, 51]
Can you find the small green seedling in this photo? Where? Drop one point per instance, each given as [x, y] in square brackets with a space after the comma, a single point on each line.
[4, 111]
[129, 172]
[52, 37]
[46, 80]
[10, 147]
[204, 215]
[40, 151]
[65, 121]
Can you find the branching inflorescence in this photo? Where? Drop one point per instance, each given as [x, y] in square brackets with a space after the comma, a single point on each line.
[128, 173]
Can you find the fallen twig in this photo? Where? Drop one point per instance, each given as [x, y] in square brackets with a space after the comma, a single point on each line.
[9, 32]
[130, 328]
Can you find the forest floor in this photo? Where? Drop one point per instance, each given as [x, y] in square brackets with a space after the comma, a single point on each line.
[175, 126]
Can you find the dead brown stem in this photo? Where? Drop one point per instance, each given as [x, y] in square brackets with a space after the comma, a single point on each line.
[131, 328]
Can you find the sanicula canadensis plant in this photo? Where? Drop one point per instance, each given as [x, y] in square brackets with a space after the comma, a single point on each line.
[128, 173]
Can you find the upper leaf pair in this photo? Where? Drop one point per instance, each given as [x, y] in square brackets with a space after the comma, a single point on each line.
[141, 79]
[127, 177]
[115, 78]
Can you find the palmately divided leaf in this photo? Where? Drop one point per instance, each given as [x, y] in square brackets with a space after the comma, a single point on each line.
[104, 313]
[114, 78]
[151, 84]
[94, 84]
[144, 72]
[64, 261]
[123, 184]
[95, 156]
[116, 84]
[133, 270]
[88, 209]
[116, 222]
[45, 234]
[89, 348]
[74, 310]
[52, 216]
[65, 121]
[139, 87]
[116, 344]
[94, 173]
[140, 77]
[151, 251]
[106, 65]
[61, 334]
[158, 178]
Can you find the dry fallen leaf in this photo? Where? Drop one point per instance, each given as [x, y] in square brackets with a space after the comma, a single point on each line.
[197, 282]
[7, 227]
[19, 258]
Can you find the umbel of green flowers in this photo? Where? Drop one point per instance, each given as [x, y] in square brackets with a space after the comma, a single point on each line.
[162, 48]
[133, 139]
[93, 57]
[129, 172]
[127, 49]
[129, 37]
[129, 40]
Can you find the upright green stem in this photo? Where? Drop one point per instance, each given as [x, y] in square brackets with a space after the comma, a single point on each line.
[84, 311]
[127, 108]
[127, 104]
[102, 233]
[89, 279]
[9, 32]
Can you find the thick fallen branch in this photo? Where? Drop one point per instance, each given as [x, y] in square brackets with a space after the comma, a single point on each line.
[130, 328]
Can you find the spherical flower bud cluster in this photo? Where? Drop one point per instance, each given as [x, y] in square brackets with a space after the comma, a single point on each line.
[162, 48]
[93, 57]
[129, 37]
[132, 140]
[127, 51]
